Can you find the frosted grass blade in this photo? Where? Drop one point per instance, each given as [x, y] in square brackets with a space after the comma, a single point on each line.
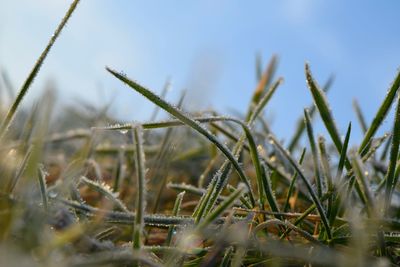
[314, 197]
[391, 180]
[28, 82]
[381, 113]
[141, 187]
[186, 120]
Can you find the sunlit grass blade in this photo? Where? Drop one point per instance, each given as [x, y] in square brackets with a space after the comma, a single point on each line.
[323, 108]
[28, 82]
[141, 187]
[106, 191]
[315, 156]
[263, 101]
[263, 82]
[360, 116]
[391, 180]
[381, 113]
[327, 118]
[163, 94]
[301, 126]
[188, 121]
[314, 197]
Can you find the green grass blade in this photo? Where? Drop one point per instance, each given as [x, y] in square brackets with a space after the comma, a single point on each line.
[391, 180]
[314, 197]
[292, 183]
[163, 94]
[301, 126]
[311, 139]
[28, 82]
[323, 108]
[188, 121]
[221, 208]
[381, 113]
[327, 118]
[360, 116]
[141, 187]
[343, 153]
[268, 191]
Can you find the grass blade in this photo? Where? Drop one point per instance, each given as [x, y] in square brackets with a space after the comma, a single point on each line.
[301, 126]
[43, 187]
[221, 208]
[314, 197]
[323, 108]
[141, 188]
[292, 183]
[175, 212]
[105, 190]
[360, 116]
[28, 82]
[381, 113]
[188, 121]
[391, 180]
[310, 133]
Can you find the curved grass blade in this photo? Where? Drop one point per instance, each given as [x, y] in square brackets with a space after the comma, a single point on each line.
[28, 82]
[314, 197]
[186, 120]
[106, 191]
[391, 180]
[381, 113]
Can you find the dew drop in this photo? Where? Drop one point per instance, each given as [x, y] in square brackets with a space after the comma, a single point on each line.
[52, 194]
[123, 131]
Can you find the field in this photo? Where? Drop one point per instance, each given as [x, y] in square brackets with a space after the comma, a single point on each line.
[198, 189]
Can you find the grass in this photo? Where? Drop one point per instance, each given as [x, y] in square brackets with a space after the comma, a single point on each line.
[198, 189]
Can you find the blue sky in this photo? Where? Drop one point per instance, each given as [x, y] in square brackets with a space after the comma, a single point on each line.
[209, 48]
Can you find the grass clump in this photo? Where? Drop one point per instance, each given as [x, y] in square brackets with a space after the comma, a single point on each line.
[214, 190]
